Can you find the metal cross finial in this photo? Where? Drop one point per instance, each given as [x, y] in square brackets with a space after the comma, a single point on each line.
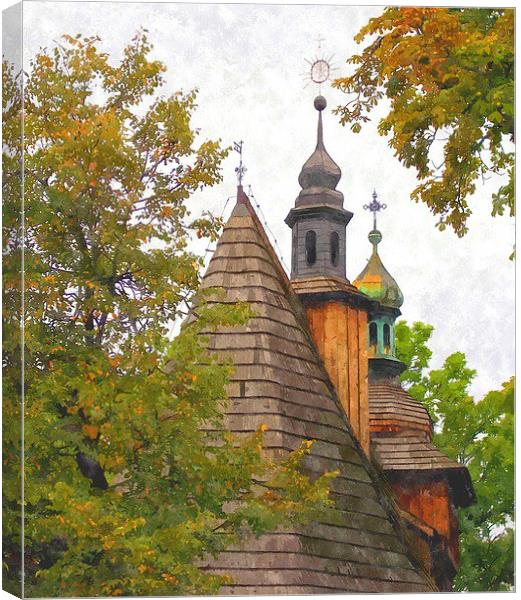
[375, 207]
[241, 169]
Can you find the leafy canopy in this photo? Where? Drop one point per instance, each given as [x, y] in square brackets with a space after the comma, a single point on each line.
[130, 476]
[480, 435]
[11, 312]
[448, 77]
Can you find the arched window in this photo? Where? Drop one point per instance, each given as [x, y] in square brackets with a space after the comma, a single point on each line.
[311, 247]
[387, 338]
[334, 247]
[373, 335]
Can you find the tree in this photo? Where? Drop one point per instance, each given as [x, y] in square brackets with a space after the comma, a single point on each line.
[480, 435]
[130, 475]
[448, 76]
[11, 316]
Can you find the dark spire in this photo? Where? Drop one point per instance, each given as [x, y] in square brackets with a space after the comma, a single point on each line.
[320, 174]
[320, 103]
[319, 219]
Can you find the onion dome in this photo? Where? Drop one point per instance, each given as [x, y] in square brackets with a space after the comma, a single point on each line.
[320, 174]
[375, 280]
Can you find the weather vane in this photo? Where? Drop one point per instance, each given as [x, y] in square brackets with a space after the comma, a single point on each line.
[320, 67]
[241, 169]
[375, 207]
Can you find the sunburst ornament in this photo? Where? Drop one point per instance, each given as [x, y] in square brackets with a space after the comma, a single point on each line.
[320, 67]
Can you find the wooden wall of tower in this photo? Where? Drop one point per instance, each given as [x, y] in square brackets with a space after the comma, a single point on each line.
[340, 334]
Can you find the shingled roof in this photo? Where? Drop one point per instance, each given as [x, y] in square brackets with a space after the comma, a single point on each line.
[280, 381]
[390, 406]
[401, 441]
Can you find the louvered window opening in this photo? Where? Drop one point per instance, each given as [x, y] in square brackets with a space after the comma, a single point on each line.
[387, 338]
[311, 247]
[335, 245]
[373, 336]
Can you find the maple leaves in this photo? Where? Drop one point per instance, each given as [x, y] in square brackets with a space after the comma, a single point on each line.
[130, 476]
[449, 76]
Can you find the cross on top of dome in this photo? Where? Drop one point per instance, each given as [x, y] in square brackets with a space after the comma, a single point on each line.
[375, 206]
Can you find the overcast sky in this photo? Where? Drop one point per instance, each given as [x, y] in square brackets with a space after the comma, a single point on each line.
[247, 61]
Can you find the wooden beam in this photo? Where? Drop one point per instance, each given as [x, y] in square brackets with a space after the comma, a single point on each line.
[352, 352]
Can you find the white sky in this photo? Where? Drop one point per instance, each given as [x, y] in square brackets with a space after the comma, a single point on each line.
[247, 61]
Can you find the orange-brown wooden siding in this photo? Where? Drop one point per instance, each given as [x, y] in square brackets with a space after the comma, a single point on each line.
[430, 502]
[340, 334]
[454, 535]
[395, 425]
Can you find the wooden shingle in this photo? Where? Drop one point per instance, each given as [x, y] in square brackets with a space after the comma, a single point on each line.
[280, 381]
[401, 441]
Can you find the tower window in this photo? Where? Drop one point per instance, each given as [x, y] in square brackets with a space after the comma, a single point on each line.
[373, 335]
[387, 338]
[311, 247]
[334, 243]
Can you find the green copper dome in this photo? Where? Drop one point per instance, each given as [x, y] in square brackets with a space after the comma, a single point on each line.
[375, 281]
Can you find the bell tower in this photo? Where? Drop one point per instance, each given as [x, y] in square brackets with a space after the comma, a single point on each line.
[318, 221]
[428, 485]
[336, 310]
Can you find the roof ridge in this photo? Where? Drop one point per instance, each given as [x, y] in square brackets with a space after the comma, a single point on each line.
[332, 442]
[243, 199]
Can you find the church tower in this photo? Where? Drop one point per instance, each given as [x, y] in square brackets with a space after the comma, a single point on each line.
[319, 220]
[317, 361]
[336, 310]
[376, 282]
[429, 486]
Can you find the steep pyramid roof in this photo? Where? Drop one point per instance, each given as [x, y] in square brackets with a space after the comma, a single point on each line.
[280, 381]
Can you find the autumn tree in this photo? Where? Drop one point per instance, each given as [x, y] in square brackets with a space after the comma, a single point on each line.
[125, 489]
[447, 76]
[480, 435]
[11, 319]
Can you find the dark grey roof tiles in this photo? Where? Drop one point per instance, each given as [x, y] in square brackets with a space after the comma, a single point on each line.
[280, 381]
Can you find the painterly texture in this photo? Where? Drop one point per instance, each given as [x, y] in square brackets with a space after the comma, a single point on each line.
[479, 435]
[281, 381]
[125, 490]
[448, 77]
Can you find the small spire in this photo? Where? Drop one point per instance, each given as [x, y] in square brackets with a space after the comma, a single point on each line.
[320, 103]
[375, 280]
[241, 169]
[320, 174]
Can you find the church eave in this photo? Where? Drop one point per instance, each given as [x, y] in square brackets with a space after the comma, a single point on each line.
[312, 210]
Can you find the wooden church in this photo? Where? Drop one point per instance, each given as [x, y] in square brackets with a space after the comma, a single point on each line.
[318, 361]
